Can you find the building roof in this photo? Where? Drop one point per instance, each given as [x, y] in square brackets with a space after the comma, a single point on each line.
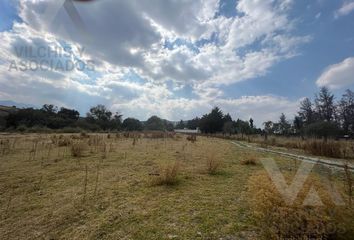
[187, 131]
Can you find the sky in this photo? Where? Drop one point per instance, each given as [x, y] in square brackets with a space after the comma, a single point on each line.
[176, 58]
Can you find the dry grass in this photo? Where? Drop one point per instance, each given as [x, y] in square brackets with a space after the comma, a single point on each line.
[192, 138]
[278, 220]
[77, 149]
[168, 175]
[213, 164]
[50, 196]
[316, 147]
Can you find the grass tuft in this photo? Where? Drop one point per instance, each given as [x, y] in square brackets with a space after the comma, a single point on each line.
[213, 164]
[168, 175]
[77, 149]
[249, 160]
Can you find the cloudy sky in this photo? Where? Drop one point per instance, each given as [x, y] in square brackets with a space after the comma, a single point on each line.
[176, 58]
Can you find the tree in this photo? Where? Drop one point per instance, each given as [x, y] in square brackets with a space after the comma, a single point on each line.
[132, 124]
[50, 109]
[116, 122]
[155, 123]
[268, 127]
[229, 128]
[168, 126]
[212, 122]
[325, 105]
[181, 125]
[68, 114]
[242, 127]
[227, 118]
[193, 124]
[306, 112]
[104, 118]
[298, 124]
[251, 123]
[100, 113]
[346, 111]
[283, 125]
[322, 129]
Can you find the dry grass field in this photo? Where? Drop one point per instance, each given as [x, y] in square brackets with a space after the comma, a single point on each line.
[127, 186]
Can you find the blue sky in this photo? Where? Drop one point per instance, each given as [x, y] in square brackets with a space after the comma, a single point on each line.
[178, 59]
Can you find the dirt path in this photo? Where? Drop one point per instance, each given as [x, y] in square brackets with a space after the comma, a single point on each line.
[337, 164]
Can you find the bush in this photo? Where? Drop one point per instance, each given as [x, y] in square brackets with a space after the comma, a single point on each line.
[77, 149]
[250, 160]
[192, 138]
[213, 164]
[70, 130]
[39, 129]
[22, 128]
[168, 175]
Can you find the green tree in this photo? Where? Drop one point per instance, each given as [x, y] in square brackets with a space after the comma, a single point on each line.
[251, 123]
[194, 123]
[132, 124]
[155, 123]
[283, 125]
[325, 107]
[306, 112]
[68, 114]
[242, 127]
[181, 125]
[212, 122]
[99, 113]
[50, 109]
[298, 125]
[346, 111]
[229, 128]
[322, 129]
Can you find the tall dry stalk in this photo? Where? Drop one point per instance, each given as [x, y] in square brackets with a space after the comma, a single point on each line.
[85, 183]
[97, 178]
[349, 181]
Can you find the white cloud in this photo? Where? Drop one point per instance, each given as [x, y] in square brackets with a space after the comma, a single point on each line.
[345, 9]
[131, 36]
[260, 108]
[133, 33]
[338, 75]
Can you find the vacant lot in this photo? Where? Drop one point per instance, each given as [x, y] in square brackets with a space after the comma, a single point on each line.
[156, 186]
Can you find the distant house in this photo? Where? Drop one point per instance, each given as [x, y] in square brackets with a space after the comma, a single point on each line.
[187, 131]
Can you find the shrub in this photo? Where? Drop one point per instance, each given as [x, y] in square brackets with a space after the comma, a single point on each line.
[213, 164]
[63, 142]
[250, 160]
[192, 138]
[277, 220]
[77, 149]
[168, 175]
[22, 128]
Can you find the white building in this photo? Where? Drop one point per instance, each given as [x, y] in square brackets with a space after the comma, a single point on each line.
[187, 131]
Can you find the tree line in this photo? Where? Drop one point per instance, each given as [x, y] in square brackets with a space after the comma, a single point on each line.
[324, 117]
[99, 118]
